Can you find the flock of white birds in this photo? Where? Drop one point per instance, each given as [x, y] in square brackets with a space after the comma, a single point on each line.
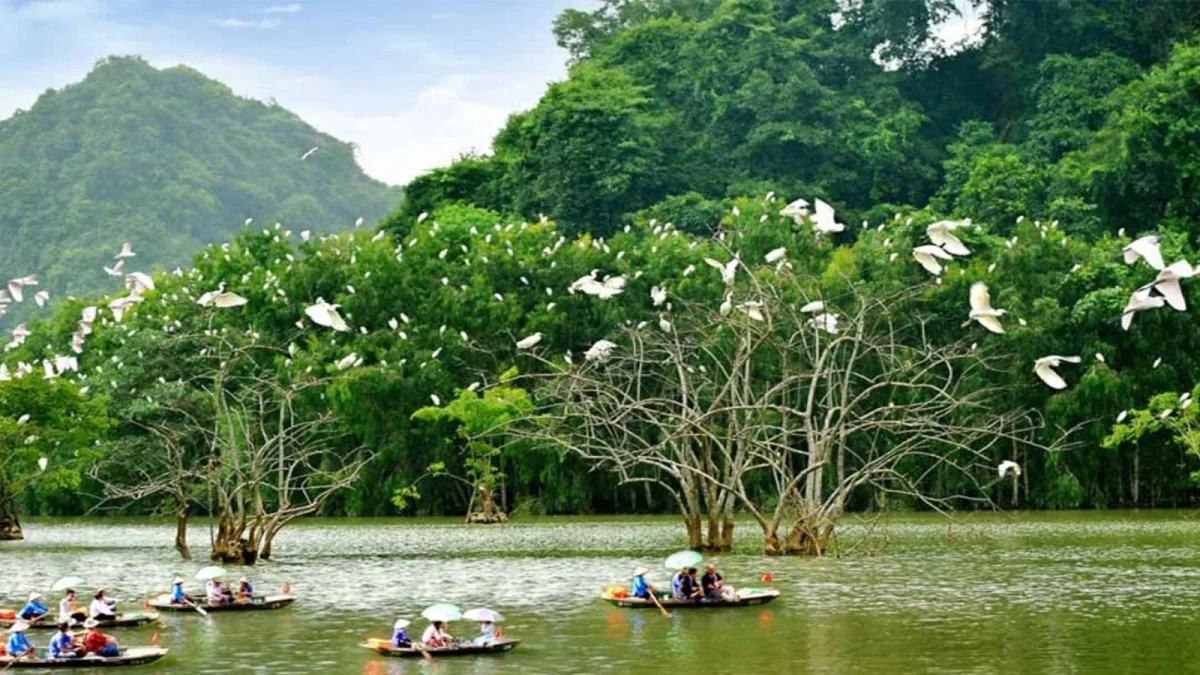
[944, 245]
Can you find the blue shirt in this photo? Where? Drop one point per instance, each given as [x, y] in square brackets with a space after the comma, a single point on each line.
[675, 580]
[401, 639]
[177, 596]
[18, 644]
[33, 610]
[60, 646]
[639, 588]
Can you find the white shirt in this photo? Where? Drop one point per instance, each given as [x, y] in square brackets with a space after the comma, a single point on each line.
[432, 634]
[101, 608]
[65, 609]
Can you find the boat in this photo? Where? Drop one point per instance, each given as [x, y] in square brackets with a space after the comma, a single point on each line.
[132, 620]
[742, 598]
[258, 603]
[385, 648]
[133, 656]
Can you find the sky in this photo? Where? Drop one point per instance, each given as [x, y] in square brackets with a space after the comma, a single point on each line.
[414, 83]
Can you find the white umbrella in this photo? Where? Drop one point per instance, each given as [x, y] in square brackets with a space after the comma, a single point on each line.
[442, 612]
[209, 573]
[483, 614]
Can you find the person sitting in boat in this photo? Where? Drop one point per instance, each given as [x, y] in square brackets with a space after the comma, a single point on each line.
[639, 587]
[67, 610]
[436, 637]
[19, 645]
[214, 595]
[713, 584]
[245, 591]
[63, 645]
[488, 634]
[226, 593]
[103, 607]
[400, 639]
[178, 596]
[95, 642]
[688, 589]
[34, 609]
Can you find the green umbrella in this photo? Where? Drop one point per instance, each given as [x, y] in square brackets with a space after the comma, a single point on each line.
[442, 612]
[682, 559]
[67, 582]
[208, 573]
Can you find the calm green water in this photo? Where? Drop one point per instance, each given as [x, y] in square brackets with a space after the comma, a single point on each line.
[1040, 593]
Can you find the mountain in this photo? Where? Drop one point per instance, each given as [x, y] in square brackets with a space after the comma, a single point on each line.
[169, 160]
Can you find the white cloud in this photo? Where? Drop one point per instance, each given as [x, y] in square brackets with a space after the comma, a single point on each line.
[260, 24]
[284, 9]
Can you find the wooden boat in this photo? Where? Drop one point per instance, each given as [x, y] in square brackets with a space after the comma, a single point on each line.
[131, 620]
[133, 656]
[259, 603]
[385, 648]
[742, 598]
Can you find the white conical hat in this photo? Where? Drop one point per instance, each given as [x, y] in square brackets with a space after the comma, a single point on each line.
[400, 623]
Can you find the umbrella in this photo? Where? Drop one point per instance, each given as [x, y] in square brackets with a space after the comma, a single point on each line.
[67, 582]
[442, 612]
[483, 614]
[209, 573]
[682, 559]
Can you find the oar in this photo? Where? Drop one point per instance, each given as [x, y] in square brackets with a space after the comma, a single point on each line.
[194, 606]
[15, 659]
[659, 605]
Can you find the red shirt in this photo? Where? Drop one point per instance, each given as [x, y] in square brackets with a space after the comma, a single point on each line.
[94, 642]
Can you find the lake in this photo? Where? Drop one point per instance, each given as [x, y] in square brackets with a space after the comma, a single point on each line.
[1095, 592]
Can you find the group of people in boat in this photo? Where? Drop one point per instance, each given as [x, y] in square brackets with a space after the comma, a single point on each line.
[101, 608]
[65, 644]
[216, 593]
[437, 636]
[685, 586]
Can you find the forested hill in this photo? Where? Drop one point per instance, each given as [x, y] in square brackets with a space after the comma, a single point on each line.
[167, 159]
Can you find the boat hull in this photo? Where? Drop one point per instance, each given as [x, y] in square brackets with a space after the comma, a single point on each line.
[122, 621]
[384, 648]
[747, 599]
[163, 604]
[134, 656]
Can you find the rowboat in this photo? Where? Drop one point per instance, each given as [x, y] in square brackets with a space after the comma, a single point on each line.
[133, 656]
[385, 648]
[163, 603]
[122, 621]
[742, 598]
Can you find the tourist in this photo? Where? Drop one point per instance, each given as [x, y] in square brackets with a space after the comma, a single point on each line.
[213, 593]
[677, 583]
[178, 597]
[95, 642]
[488, 634]
[103, 607]
[33, 610]
[226, 593]
[639, 588]
[62, 645]
[436, 637]
[713, 584]
[245, 591]
[689, 587]
[67, 611]
[18, 644]
[400, 639]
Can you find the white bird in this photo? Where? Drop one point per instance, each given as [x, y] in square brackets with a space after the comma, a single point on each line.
[1147, 249]
[823, 219]
[310, 153]
[600, 351]
[43, 463]
[728, 270]
[775, 255]
[1167, 283]
[796, 210]
[940, 234]
[928, 256]
[15, 286]
[658, 295]
[1044, 367]
[727, 305]
[115, 270]
[827, 322]
[48, 370]
[1121, 417]
[814, 306]
[982, 310]
[125, 252]
[347, 361]
[305, 235]
[1100, 357]
[324, 314]
[137, 282]
[41, 297]
[529, 341]
[1009, 466]
[663, 324]
[435, 399]
[221, 298]
[1141, 300]
[23, 418]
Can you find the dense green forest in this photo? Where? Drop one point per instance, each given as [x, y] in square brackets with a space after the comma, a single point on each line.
[1063, 132]
[168, 160]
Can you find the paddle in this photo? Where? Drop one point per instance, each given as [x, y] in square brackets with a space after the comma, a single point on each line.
[15, 659]
[196, 607]
[659, 605]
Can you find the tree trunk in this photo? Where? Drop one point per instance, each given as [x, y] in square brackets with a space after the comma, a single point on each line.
[487, 513]
[233, 546]
[695, 533]
[720, 534]
[181, 526]
[10, 525]
[1135, 481]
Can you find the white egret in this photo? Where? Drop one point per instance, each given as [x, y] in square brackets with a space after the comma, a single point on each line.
[928, 256]
[814, 306]
[137, 282]
[325, 314]
[600, 351]
[43, 463]
[1009, 466]
[827, 322]
[728, 270]
[658, 295]
[1044, 367]
[347, 361]
[940, 234]
[1167, 283]
[775, 255]
[221, 298]
[1147, 249]
[1141, 300]
[125, 252]
[529, 341]
[823, 219]
[982, 310]
[41, 297]
[312, 151]
[115, 270]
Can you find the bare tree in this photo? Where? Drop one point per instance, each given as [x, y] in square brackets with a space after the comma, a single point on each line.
[782, 412]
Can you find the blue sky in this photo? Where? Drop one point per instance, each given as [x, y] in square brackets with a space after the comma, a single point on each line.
[413, 82]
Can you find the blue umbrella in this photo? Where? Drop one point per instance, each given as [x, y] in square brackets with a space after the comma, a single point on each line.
[442, 612]
[682, 559]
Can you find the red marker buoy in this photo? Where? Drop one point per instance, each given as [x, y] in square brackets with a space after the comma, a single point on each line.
[767, 578]
[287, 588]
